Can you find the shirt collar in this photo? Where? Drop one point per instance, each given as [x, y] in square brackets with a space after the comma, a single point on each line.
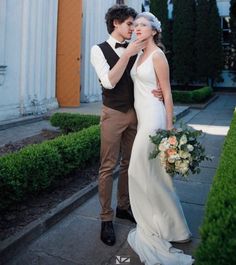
[112, 41]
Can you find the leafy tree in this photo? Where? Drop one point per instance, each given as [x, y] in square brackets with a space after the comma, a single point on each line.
[201, 40]
[160, 9]
[183, 40]
[214, 37]
[209, 55]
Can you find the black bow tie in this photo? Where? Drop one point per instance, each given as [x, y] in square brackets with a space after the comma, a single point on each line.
[124, 45]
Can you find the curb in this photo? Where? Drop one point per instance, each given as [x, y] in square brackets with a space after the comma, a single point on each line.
[21, 121]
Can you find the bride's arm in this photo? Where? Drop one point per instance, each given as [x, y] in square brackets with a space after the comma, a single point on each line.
[162, 71]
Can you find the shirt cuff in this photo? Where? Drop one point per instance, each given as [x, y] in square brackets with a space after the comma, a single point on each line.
[106, 82]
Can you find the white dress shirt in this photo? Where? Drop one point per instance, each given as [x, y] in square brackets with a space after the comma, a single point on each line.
[100, 64]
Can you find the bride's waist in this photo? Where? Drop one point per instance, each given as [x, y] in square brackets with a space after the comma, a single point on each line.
[149, 102]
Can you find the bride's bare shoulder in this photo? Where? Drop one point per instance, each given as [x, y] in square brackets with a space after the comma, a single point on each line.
[159, 56]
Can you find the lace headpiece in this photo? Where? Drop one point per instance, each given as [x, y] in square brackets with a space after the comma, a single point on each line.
[155, 23]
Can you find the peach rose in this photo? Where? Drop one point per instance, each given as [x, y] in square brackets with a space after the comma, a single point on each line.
[171, 152]
[172, 140]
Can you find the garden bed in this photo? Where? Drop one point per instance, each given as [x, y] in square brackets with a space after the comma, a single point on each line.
[18, 216]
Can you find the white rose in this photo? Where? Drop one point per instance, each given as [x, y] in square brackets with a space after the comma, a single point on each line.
[182, 167]
[173, 158]
[183, 170]
[184, 154]
[163, 158]
[190, 147]
[183, 139]
[162, 147]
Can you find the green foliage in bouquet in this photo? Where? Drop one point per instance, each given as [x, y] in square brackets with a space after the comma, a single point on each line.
[179, 150]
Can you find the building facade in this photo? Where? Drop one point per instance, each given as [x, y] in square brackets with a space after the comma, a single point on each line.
[45, 53]
[41, 61]
[28, 31]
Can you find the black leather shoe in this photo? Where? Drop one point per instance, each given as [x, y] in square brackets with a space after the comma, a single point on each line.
[107, 233]
[125, 214]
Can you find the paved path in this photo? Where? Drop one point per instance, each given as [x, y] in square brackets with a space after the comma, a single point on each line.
[75, 239]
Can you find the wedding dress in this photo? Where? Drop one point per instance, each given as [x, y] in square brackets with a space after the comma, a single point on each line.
[154, 203]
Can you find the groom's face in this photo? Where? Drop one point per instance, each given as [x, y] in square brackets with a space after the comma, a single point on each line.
[125, 29]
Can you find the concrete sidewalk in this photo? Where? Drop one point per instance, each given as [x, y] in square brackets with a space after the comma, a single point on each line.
[75, 239]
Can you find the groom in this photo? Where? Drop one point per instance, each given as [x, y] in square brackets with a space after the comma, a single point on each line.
[113, 60]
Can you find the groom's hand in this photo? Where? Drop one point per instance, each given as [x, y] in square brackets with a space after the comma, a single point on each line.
[158, 93]
[135, 47]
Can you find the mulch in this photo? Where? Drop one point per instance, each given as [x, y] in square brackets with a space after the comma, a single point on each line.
[16, 217]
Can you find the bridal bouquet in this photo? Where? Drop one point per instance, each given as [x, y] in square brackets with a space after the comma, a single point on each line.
[179, 150]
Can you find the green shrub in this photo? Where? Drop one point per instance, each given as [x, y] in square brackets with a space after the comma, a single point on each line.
[35, 167]
[29, 170]
[182, 96]
[194, 96]
[218, 232]
[69, 122]
[77, 148]
[201, 94]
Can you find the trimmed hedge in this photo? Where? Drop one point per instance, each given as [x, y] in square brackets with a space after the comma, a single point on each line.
[34, 168]
[73, 122]
[194, 96]
[218, 232]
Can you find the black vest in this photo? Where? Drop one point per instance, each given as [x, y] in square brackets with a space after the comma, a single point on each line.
[121, 97]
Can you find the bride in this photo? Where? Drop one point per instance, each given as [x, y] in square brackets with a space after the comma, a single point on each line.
[155, 205]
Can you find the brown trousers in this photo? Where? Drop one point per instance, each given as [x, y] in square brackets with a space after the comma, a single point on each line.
[118, 131]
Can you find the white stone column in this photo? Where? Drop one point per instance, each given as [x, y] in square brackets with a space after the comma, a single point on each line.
[25, 72]
[94, 31]
[3, 67]
[51, 42]
[2, 31]
[38, 60]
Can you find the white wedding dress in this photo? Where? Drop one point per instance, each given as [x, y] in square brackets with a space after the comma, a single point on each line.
[154, 203]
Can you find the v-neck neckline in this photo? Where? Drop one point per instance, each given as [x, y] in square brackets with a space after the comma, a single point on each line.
[137, 66]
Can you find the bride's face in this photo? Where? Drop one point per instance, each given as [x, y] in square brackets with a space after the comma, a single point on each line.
[143, 28]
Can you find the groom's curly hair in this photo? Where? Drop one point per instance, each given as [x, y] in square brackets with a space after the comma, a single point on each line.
[119, 13]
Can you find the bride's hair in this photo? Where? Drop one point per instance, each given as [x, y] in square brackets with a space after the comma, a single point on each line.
[156, 25]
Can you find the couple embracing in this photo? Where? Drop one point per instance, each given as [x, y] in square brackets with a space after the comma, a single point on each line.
[131, 75]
